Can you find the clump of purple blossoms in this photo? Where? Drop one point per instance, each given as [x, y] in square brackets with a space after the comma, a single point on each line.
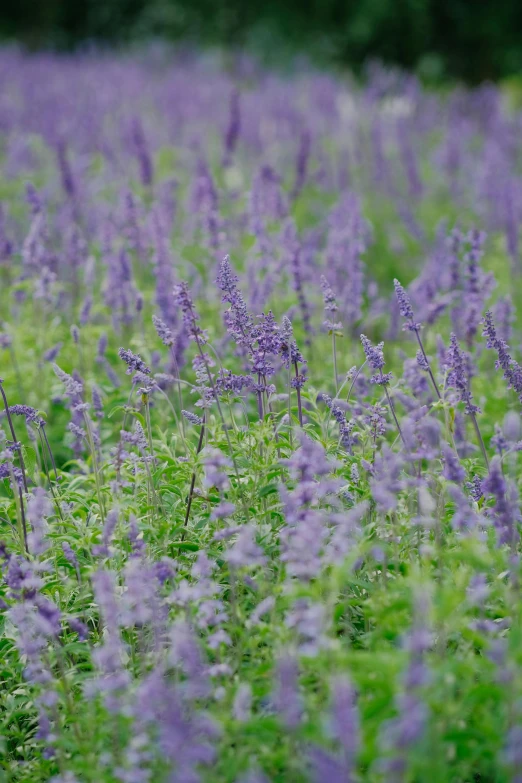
[192, 418]
[375, 358]
[330, 306]
[133, 361]
[511, 368]
[291, 354]
[183, 298]
[405, 307]
[506, 510]
[237, 319]
[458, 376]
[31, 414]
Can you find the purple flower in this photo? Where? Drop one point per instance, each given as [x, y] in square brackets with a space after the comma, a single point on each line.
[111, 522]
[504, 315]
[237, 319]
[499, 441]
[301, 164]
[475, 488]
[405, 307]
[70, 556]
[245, 552]
[73, 387]
[345, 427]
[77, 626]
[38, 508]
[164, 569]
[289, 351]
[112, 679]
[266, 605]
[506, 509]
[215, 464]
[241, 709]
[51, 354]
[376, 421]
[386, 483]
[512, 370]
[31, 414]
[182, 297]
[192, 418]
[163, 331]
[97, 402]
[330, 305]
[287, 699]
[294, 259]
[458, 375]
[223, 510]
[133, 361]
[309, 621]
[453, 470]
[233, 128]
[142, 153]
[344, 721]
[375, 358]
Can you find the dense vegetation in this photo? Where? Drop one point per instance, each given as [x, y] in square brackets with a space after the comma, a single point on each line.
[241, 538]
[442, 38]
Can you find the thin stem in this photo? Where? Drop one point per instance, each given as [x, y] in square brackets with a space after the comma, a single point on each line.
[298, 390]
[216, 397]
[434, 382]
[338, 392]
[44, 433]
[271, 415]
[361, 368]
[259, 398]
[479, 438]
[220, 410]
[46, 469]
[145, 397]
[20, 513]
[13, 434]
[155, 497]
[193, 479]
[120, 442]
[178, 384]
[290, 403]
[392, 409]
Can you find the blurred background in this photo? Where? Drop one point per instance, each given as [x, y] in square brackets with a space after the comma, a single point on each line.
[470, 40]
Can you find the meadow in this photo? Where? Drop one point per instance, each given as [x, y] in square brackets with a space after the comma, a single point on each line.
[259, 504]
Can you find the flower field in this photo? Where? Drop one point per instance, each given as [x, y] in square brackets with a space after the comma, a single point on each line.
[260, 394]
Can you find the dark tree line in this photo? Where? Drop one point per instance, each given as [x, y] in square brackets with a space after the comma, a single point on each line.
[468, 39]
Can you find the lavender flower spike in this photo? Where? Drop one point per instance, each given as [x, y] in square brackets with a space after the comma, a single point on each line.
[375, 358]
[512, 369]
[31, 414]
[406, 310]
[133, 361]
[458, 378]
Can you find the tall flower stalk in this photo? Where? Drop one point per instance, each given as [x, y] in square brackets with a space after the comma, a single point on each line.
[292, 358]
[334, 327]
[190, 317]
[18, 449]
[200, 422]
[459, 378]
[411, 325]
[375, 358]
